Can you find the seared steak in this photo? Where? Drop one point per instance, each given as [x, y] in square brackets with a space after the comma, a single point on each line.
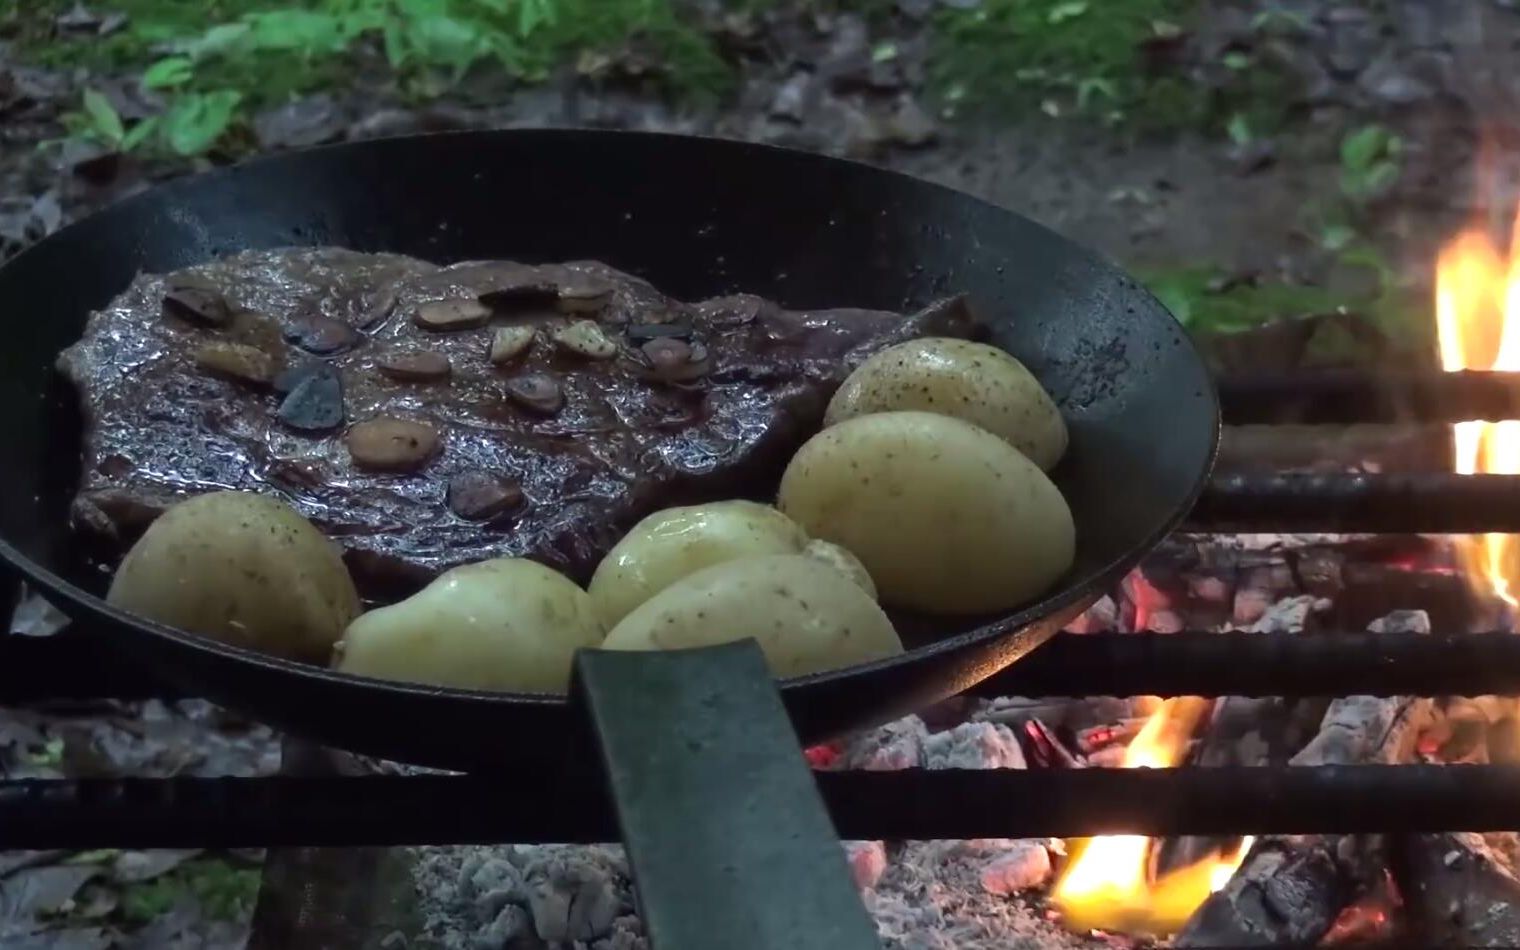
[427, 416]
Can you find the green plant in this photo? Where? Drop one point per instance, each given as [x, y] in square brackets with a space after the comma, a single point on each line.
[223, 891]
[1279, 20]
[1370, 163]
[1205, 301]
[259, 52]
[1013, 54]
[191, 125]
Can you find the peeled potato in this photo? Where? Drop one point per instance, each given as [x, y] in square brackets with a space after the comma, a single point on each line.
[806, 619]
[670, 544]
[974, 382]
[842, 561]
[945, 516]
[506, 624]
[243, 568]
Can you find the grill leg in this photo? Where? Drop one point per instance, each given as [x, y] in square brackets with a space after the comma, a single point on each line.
[728, 840]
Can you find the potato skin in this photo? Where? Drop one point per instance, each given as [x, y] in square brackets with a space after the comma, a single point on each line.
[506, 624]
[670, 544]
[842, 561]
[806, 620]
[974, 382]
[945, 516]
[243, 568]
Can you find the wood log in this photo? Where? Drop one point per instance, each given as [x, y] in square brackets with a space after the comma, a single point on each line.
[1242, 731]
[1458, 892]
[1291, 888]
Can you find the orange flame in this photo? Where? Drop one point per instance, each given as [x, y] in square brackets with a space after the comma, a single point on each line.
[1477, 312]
[1106, 887]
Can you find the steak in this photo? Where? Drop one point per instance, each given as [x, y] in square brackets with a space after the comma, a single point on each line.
[428, 416]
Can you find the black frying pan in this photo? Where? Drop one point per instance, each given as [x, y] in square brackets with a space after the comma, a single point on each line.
[697, 218]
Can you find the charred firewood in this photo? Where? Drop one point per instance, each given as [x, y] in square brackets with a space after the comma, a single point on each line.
[1458, 892]
[1242, 731]
[1291, 888]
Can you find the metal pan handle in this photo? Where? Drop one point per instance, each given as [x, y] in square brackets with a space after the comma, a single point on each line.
[727, 837]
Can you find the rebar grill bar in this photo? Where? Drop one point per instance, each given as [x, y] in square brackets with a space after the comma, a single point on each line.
[1256, 664]
[1390, 503]
[1101, 664]
[910, 804]
[1347, 396]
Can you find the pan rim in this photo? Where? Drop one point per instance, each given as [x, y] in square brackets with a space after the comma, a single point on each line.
[81, 600]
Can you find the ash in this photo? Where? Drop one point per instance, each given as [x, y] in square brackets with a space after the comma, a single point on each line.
[522, 897]
[923, 895]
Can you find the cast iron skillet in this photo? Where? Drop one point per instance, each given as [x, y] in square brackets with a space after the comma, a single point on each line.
[697, 218]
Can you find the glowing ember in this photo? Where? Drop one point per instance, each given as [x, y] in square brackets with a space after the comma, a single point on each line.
[1106, 885]
[1477, 312]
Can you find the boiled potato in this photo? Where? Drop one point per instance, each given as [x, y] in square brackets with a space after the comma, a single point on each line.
[670, 544]
[945, 516]
[971, 381]
[506, 624]
[842, 561]
[806, 619]
[243, 568]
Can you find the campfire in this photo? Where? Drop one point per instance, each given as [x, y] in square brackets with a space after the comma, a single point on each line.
[1478, 328]
[1107, 886]
[1125, 884]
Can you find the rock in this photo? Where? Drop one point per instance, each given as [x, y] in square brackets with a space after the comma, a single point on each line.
[867, 861]
[849, 42]
[391, 444]
[790, 101]
[1023, 866]
[386, 123]
[849, 129]
[313, 120]
[1351, 40]
[910, 125]
[1252, 157]
[91, 161]
[847, 64]
[77, 19]
[1388, 84]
